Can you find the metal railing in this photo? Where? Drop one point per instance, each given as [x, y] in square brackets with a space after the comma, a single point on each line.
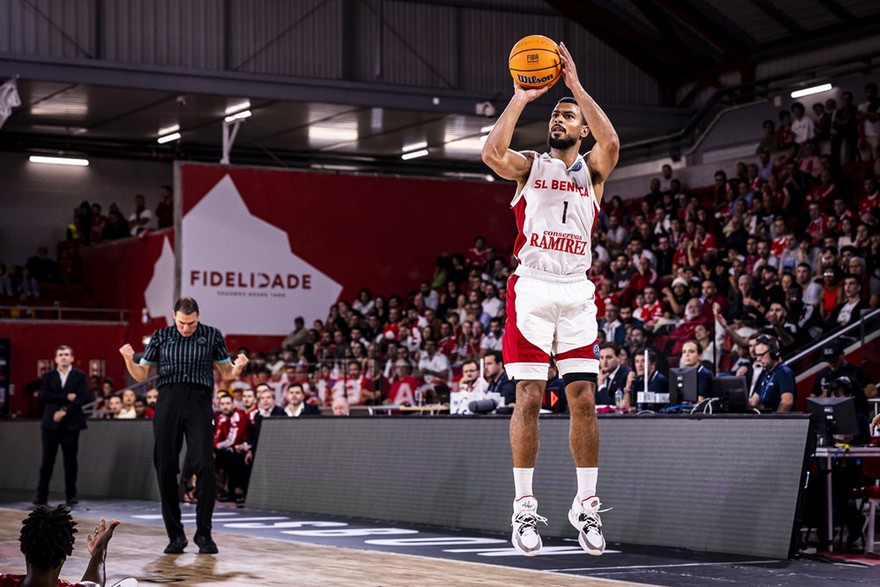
[807, 361]
[54, 313]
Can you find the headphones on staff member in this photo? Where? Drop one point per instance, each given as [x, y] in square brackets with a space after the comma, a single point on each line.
[772, 346]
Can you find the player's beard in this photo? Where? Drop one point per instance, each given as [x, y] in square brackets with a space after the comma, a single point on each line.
[560, 144]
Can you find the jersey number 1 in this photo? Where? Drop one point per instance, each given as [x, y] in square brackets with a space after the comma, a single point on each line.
[564, 211]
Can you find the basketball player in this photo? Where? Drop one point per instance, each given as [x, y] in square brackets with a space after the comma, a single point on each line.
[550, 301]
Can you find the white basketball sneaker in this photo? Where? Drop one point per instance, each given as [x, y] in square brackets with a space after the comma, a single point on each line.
[525, 520]
[584, 515]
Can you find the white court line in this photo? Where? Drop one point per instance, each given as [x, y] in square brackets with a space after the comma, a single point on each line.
[632, 567]
[159, 516]
[546, 551]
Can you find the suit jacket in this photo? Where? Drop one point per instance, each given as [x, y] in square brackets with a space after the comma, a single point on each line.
[605, 394]
[54, 398]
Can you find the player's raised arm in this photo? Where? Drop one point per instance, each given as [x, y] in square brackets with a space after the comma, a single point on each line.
[497, 153]
[605, 154]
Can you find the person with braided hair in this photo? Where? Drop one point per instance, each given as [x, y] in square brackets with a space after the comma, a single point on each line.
[47, 537]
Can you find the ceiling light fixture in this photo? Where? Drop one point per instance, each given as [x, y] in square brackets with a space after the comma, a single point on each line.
[236, 108]
[59, 160]
[414, 154]
[239, 116]
[810, 91]
[168, 138]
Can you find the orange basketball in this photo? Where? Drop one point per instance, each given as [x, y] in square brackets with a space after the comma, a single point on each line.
[534, 62]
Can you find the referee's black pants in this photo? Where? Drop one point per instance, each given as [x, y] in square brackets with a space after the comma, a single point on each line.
[184, 409]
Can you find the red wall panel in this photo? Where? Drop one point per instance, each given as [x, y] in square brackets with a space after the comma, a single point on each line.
[380, 232]
[33, 340]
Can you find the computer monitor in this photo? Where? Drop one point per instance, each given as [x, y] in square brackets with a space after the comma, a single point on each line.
[683, 385]
[733, 391]
[833, 415]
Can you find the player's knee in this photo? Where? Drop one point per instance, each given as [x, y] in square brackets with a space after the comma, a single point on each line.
[529, 394]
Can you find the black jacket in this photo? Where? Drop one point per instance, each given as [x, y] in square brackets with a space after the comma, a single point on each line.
[55, 398]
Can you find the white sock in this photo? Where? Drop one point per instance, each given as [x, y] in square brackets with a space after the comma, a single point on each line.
[522, 481]
[587, 477]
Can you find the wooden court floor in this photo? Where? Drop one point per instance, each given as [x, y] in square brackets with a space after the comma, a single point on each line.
[136, 551]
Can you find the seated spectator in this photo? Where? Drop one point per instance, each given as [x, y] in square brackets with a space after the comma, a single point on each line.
[296, 404]
[612, 376]
[129, 398]
[355, 388]
[691, 353]
[340, 407]
[614, 330]
[651, 310]
[266, 407]
[703, 336]
[496, 377]
[403, 384]
[231, 444]
[693, 317]
[775, 390]
[635, 382]
[850, 309]
[784, 330]
[434, 369]
[479, 254]
[28, 286]
[114, 407]
[47, 539]
[140, 409]
[492, 339]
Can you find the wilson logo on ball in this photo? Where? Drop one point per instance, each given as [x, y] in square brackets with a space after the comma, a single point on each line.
[534, 79]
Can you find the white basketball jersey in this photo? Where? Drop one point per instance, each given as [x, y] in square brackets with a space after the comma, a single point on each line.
[555, 213]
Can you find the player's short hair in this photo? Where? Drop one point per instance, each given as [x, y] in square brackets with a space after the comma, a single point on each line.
[186, 306]
[47, 537]
[570, 100]
[64, 347]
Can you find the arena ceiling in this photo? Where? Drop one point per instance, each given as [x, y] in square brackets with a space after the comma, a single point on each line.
[677, 42]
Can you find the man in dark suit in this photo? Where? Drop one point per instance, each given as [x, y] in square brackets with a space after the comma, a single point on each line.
[296, 404]
[612, 375]
[64, 393]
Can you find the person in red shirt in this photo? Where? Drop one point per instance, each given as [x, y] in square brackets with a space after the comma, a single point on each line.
[404, 385]
[651, 310]
[870, 201]
[47, 540]
[479, 254]
[231, 443]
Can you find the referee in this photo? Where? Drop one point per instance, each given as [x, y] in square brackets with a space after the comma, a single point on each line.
[184, 354]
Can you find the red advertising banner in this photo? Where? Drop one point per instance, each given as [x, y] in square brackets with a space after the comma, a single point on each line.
[261, 246]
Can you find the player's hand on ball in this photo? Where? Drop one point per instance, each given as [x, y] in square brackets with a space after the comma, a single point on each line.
[531, 94]
[569, 71]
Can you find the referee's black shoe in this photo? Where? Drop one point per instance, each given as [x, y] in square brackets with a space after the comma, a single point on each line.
[206, 544]
[176, 545]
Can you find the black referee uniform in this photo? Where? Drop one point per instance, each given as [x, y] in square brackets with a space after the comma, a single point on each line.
[184, 407]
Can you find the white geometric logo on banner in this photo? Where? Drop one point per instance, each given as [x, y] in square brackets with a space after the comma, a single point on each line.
[242, 272]
[159, 295]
